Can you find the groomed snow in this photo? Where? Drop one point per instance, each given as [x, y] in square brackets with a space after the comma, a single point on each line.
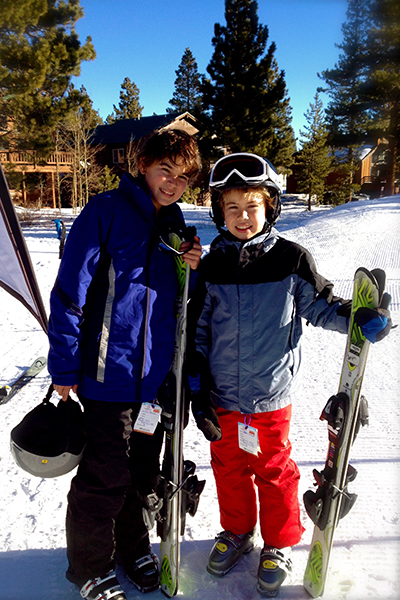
[365, 559]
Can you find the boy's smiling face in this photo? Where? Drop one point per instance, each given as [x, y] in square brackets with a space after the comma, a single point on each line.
[244, 213]
[166, 180]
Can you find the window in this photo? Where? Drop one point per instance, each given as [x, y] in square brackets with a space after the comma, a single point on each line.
[118, 155]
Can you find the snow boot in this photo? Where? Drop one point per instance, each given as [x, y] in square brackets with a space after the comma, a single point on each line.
[272, 571]
[144, 572]
[103, 588]
[227, 550]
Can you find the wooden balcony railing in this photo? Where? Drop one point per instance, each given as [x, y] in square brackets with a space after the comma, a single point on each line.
[374, 179]
[29, 158]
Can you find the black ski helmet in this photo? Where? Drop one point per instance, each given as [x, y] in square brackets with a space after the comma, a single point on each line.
[50, 440]
[244, 170]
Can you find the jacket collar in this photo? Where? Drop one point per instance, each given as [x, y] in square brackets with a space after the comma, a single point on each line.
[264, 239]
[137, 191]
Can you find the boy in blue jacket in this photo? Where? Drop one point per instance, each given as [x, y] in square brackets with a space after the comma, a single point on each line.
[253, 290]
[111, 333]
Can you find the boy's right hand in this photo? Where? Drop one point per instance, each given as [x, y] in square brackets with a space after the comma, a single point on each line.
[64, 390]
[192, 257]
[206, 417]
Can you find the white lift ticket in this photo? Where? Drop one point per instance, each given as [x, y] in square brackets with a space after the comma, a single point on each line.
[248, 438]
[148, 418]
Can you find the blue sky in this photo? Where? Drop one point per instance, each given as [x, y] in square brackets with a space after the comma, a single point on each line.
[146, 39]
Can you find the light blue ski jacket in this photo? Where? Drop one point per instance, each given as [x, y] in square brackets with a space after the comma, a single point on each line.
[249, 303]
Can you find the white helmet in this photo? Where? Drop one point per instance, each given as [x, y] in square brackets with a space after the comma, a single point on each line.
[244, 170]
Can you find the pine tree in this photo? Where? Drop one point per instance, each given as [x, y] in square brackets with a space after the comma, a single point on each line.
[346, 121]
[381, 90]
[39, 54]
[314, 160]
[280, 143]
[129, 106]
[187, 94]
[108, 180]
[246, 93]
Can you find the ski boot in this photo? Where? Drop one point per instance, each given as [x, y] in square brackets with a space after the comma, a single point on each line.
[106, 587]
[144, 572]
[272, 571]
[227, 550]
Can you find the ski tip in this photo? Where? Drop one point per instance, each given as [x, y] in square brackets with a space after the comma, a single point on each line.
[37, 365]
[377, 277]
[380, 277]
[378, 274]
[41, 360]
[385, 301]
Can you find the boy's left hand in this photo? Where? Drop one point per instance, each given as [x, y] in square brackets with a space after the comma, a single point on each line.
[205, 416]
[375, 323]
[193, 256]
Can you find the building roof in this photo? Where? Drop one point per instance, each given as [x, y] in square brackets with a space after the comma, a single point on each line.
[127, 130]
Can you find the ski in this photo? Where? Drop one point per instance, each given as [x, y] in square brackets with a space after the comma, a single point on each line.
[179, 488]
[344, 412]
[7, 392]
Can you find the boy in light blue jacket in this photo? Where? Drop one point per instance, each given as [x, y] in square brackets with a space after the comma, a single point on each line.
[253, 291]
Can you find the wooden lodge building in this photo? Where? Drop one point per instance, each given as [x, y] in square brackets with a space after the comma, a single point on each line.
[115, 143]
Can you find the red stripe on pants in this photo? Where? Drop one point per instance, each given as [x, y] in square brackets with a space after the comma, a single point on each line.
[237, 474]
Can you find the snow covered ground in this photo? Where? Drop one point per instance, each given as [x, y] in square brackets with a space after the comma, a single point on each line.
[365, 558]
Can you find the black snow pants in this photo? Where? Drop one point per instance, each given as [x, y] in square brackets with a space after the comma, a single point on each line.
[104, 513]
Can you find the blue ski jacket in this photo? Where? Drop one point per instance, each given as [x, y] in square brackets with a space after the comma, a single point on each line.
[248, 304]
[112, 321]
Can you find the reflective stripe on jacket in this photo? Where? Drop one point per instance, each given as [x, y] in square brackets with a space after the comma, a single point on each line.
[112, 322]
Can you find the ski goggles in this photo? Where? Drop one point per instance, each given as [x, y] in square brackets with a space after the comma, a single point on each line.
[250, 168]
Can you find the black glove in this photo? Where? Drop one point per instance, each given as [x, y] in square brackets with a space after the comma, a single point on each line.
[375, 323]
[206, 417]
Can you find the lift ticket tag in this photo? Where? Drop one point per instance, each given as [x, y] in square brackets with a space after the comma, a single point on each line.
[148, 418]
[248, 438]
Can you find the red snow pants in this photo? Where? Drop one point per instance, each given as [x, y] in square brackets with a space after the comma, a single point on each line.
[237, 474]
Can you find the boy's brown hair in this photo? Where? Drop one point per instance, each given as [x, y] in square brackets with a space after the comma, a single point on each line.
[171, 144]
